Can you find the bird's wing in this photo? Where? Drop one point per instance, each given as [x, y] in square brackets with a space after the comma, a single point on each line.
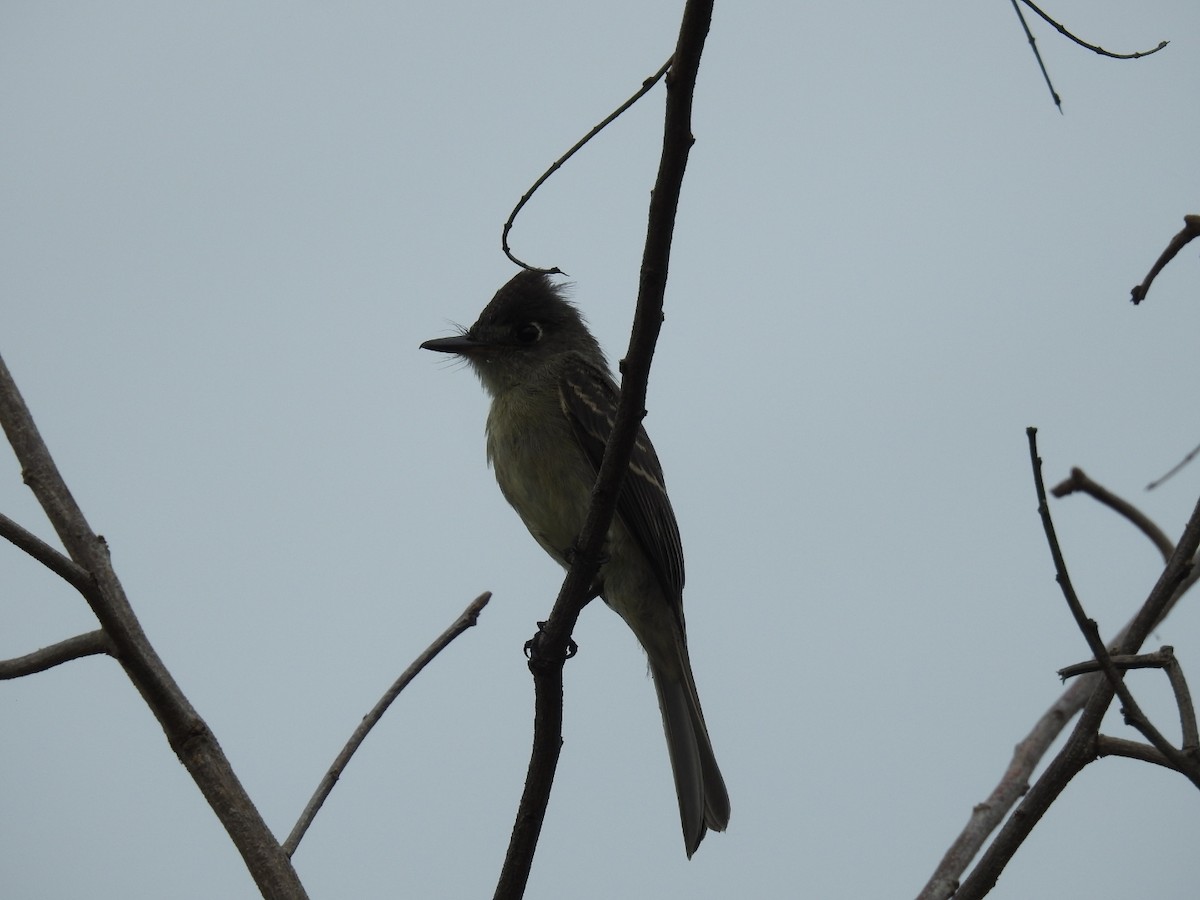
[589, 401]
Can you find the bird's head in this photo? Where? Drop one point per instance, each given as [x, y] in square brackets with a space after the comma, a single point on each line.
[526, 326]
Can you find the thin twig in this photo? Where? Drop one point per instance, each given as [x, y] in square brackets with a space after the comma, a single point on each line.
[1087, 626]
[1079, 481]
[1156, 660]
[1191, 230]
[89, 644]
[466, 619]
[558, 164]
[1164, 658]
[1038, 55]
[53, 560]
[1175, 469]
[1111, 746]
[1190, 742]
[547, 664]
[1095, 49]
[1179, 574]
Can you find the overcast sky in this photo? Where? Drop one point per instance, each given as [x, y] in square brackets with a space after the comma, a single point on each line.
[228, 226]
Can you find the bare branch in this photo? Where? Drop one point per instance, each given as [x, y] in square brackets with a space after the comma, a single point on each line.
[1085, 694]
[1065, 33]
[187, 733]
[1179, 574]
[558, 164]
[45, 554]
[1190, 745]
[466, 619]
[1175, 468]
[547, 663]
[1037, 55]
[1080, 748]
[1191, 230]
[1165, 660]
[1014, 783]
[1094, 48]
[1087, 626]
[1079, 481]
[1157, 660]
[1111, 746]
[89, 644]
[1091, 632]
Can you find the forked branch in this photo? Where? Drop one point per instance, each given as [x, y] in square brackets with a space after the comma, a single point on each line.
[91, 572]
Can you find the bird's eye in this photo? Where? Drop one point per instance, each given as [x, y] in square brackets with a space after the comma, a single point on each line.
[529, 333]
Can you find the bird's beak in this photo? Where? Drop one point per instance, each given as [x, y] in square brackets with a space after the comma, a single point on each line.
[460, 344]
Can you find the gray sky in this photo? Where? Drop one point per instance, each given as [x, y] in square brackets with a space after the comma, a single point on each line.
[227, 227]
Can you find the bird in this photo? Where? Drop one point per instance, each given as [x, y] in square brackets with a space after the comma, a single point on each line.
[553, 402]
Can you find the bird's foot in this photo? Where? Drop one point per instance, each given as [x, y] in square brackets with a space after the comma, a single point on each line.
[534, 644]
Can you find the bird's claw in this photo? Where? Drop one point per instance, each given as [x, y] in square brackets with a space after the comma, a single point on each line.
[533, 645]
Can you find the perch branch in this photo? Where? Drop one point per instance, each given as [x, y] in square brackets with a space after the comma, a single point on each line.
[547, 663]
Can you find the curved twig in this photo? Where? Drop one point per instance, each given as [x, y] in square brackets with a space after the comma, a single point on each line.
[558, 164]
[1093, 47]
[1065, 33]
[1111, 746]
[1191, 230]
[1190, 741]
[1079, 481]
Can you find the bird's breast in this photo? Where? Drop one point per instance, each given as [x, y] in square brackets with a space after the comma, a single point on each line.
[540, 468]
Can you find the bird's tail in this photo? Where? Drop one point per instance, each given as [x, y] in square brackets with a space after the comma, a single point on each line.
[703, 800]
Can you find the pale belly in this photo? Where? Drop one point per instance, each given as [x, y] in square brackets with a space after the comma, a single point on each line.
[548, 480]
[542, 473]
